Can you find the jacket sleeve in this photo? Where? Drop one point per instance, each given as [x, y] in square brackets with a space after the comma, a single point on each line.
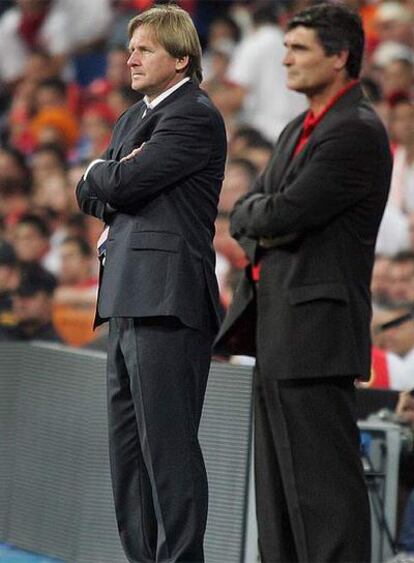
[179, 147]
[339, 174]
[88, 199]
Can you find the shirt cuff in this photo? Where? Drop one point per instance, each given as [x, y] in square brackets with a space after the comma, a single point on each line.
[85, 175]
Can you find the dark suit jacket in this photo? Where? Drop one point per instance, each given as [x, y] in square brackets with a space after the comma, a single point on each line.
[160, 259]
[322, 208]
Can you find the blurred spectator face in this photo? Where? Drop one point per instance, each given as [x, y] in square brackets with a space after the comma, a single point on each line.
[96, 127]
[220, 30]
[46, 163]
[236, 183]
[397, 76]
[394, 23]
[29, 242]
[9, 270]
[10, 168]
[32, 308]
[75, 267]
[14, 185]
[380, 283]
[47, 96]
[401, 278]
[38, 67]
[401, 123]
[117, 71]
[9, 278]
[259, 156]
[52, 192]
[399, 338]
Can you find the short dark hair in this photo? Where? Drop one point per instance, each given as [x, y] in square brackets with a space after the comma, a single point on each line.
[36, 222]
[54, 148]
[54, 83]
[35, 279]
[338, 28]
[83, 246]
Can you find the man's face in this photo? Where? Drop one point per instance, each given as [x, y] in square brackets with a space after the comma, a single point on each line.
[402, 123]
[309, 70]
[74, 267]
[153, 70]
[401, 281]
[30, 245]
[32, 309]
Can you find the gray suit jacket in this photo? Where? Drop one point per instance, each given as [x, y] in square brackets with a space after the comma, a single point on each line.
[322, 208]
[161, 206]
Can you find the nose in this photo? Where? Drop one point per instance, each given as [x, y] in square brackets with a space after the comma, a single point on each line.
[133, 59]
[287, 59]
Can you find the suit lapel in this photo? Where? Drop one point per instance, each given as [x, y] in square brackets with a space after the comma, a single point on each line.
[285, 163]
[281, 160]
[139, 127]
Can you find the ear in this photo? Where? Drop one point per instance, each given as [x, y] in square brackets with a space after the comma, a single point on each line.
[182, 63]
[341, 60]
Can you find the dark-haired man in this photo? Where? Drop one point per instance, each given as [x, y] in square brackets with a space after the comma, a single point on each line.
[32, 306]
[309, 228]
[158, 188]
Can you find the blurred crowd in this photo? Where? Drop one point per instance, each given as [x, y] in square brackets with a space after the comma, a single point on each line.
[64, 82]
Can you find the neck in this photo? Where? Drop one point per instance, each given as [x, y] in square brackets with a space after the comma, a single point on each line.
[319, 100]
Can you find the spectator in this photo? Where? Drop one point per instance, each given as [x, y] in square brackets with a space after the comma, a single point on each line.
[15, 184]
[380, 282]
[57, 26]
[223, 35]
[243, 137]
[397, 77]
[393, 331]
[258, 79]
[32, 24]
[48, 160]
[9, 280]
[402, 132]
[32, 306]
[394, 23]
[78, 282]
[238, 180]
[96, 125]
[55, 125]
[249, 144]
[116, 75]
[31, 239]
[401, 288]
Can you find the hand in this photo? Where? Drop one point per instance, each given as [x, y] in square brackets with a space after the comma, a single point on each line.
[405, 407]
[133, 153]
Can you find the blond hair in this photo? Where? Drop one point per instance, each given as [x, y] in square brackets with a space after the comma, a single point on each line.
[174, 29]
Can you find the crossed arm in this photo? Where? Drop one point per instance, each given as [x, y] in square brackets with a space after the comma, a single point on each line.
[179, 147]
[338, 175]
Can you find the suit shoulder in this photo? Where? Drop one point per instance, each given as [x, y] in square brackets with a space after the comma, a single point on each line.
[363, 128]
[196, 104]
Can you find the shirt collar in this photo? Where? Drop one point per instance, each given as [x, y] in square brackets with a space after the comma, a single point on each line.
[161, 97]
[312, 120]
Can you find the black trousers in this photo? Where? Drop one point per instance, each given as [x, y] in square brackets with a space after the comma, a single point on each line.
[157, 375]
[312, 500]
